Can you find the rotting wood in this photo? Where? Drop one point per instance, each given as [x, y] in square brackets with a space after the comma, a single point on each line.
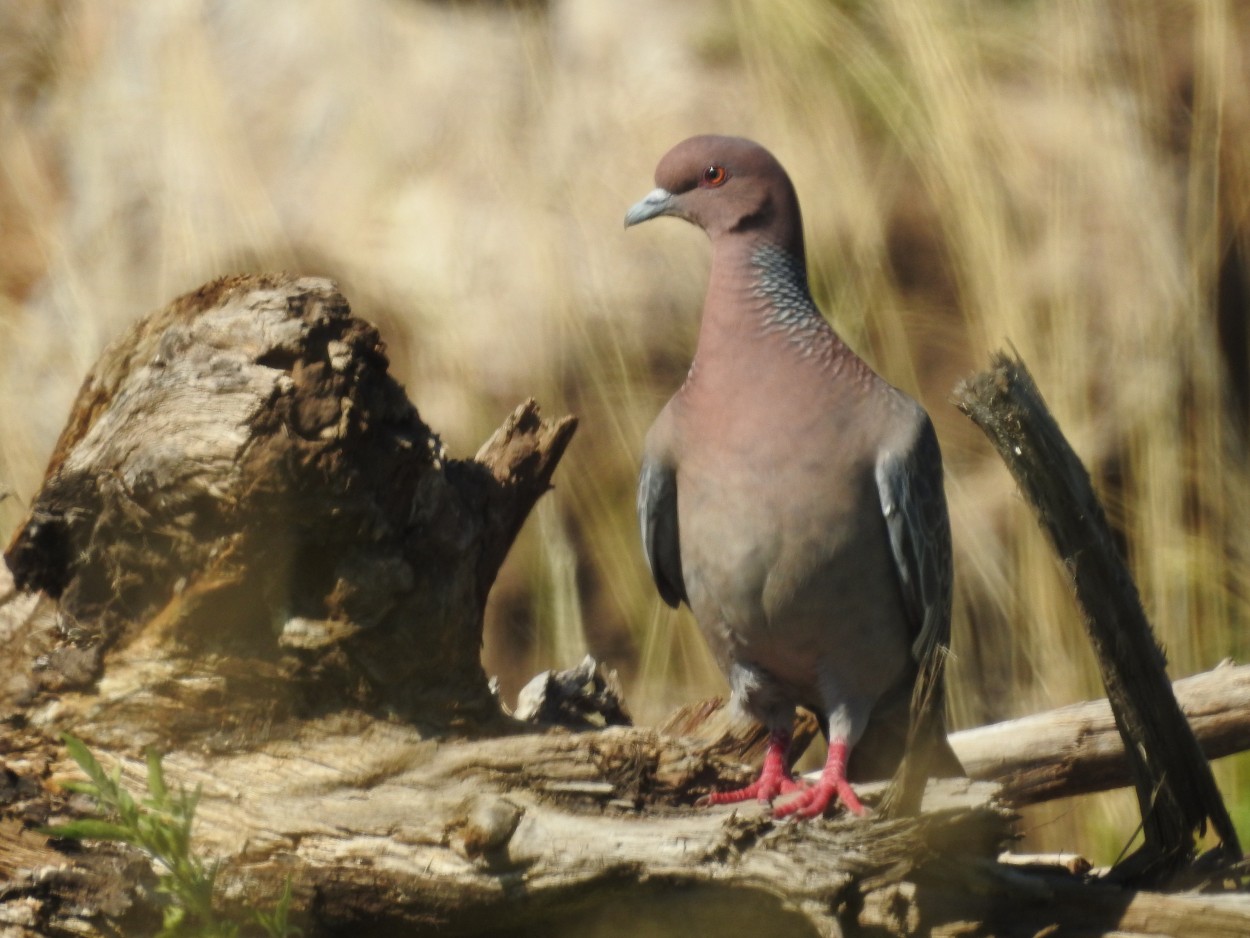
[1176, 791]
[474, 835]
[388, 825]
[241, 477]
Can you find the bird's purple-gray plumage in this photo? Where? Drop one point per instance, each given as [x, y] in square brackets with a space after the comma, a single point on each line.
[788, 494]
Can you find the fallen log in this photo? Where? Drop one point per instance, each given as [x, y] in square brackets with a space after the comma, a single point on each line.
[283, 592]
[374, 824]
[250, 553]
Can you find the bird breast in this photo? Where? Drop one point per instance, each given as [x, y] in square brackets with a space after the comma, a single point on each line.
[785, 553]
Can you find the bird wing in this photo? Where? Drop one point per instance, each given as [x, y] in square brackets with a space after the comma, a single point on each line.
[909, 481]
[657, 517]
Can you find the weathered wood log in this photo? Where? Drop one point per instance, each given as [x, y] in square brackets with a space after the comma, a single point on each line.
[246, 499]
[251, 553]
[553, 833]
[293, 615]
[1176, 791]
[1078, 749]
[375, 824]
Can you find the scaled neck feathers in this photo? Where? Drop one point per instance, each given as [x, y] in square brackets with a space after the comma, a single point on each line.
[781, 283]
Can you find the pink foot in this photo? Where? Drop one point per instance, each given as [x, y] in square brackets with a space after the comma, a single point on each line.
[832, 786]
[775, 778]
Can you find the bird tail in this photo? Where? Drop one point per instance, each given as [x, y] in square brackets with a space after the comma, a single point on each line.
[927, 751]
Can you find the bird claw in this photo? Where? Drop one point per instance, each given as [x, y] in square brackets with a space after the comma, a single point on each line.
[764, 789]
[808, 801]
[812, 802]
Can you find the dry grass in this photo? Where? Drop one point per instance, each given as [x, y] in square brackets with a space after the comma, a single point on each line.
[1067, 177]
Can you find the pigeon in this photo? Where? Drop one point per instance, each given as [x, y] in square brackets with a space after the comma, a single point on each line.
[793, 499]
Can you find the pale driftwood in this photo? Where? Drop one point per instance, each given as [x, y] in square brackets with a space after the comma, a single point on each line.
[559, 833]
[1176, 792]
[1078, 749]
[382, 825]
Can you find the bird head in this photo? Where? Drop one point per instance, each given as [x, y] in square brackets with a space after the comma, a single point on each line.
[727, 186]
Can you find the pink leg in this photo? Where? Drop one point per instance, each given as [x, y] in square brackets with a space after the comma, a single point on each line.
[775, 778]
[832, 786]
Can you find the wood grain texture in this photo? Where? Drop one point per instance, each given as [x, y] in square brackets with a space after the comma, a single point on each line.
[384, 829]
[245, 498]
[1078, 749]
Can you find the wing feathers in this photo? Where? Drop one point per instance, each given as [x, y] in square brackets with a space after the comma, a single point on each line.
[657, 518]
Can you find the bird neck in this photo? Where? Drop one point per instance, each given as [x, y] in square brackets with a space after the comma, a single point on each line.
[759, 317]
[758, 288]
[779, 281]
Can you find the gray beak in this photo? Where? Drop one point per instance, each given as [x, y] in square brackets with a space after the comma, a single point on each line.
[656, 202]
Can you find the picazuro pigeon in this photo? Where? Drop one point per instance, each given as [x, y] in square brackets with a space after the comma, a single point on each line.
[790, 496]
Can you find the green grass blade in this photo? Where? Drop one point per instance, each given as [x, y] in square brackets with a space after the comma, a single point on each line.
[156, 779]
[79, 752]
[90, 829]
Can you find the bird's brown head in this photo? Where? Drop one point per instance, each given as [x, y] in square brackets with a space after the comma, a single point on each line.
[727, 186]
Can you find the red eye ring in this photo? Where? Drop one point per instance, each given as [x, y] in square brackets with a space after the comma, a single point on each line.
[715, 175]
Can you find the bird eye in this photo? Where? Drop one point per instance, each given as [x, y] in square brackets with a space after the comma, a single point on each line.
[714, 176]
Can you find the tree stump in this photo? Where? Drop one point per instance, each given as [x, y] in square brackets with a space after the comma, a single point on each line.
[247, 521]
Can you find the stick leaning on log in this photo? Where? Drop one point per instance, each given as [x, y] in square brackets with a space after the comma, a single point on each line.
[1176, 792]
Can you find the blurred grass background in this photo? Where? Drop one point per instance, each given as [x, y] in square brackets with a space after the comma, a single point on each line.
[1069, 177]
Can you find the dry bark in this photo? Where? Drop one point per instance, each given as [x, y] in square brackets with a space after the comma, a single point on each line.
[383, 829]
[531, 834]
[241, 477]
[1176, 791]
